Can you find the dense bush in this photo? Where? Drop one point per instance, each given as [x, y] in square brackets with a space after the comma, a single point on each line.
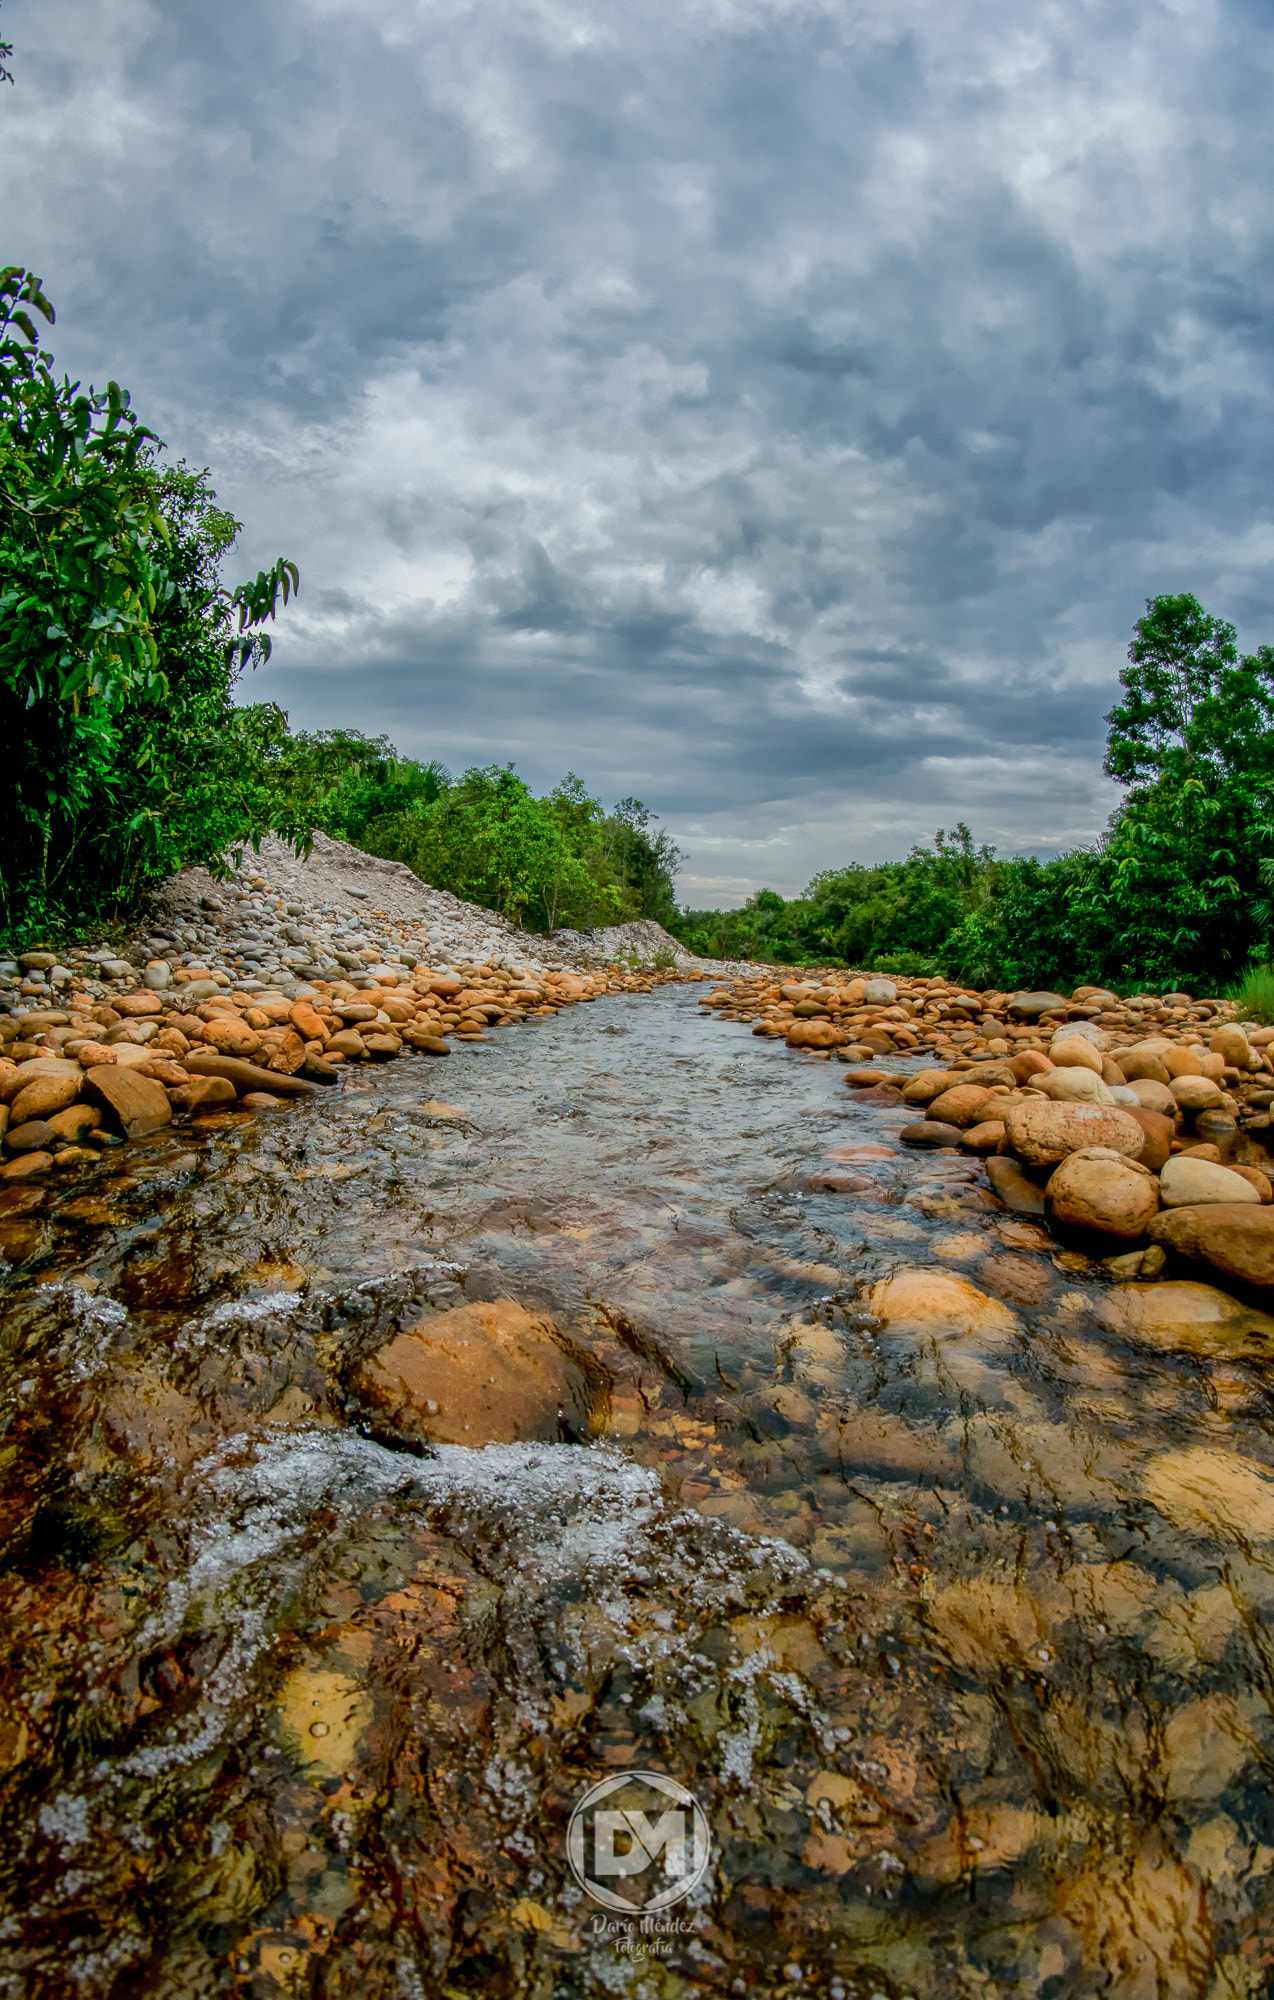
[119, 650]
[549, 863]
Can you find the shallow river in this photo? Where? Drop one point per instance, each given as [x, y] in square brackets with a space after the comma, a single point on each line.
[953, 1615]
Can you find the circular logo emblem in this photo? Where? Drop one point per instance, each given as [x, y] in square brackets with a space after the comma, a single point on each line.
[638, 1842]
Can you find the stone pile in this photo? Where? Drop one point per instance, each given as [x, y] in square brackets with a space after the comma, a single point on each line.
[241, 994]
[1141, 1123]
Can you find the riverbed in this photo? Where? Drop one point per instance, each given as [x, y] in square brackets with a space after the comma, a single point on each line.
[943, 1586]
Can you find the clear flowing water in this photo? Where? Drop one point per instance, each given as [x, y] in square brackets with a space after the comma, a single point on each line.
[949, 1605]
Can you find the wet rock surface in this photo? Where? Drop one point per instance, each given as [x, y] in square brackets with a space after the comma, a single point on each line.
[933, 1560]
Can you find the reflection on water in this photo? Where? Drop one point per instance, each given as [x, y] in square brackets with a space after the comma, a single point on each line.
[938, 1567]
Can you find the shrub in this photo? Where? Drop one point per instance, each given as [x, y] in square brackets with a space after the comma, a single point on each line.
[1254, 995]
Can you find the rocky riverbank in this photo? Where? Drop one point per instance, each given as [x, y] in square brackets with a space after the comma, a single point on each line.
[1139, 1127]
[241, 994]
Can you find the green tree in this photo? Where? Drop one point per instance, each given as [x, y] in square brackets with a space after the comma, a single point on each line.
[119, 647]
[1192, 707]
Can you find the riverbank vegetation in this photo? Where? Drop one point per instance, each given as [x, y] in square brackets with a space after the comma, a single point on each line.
[1178, 890]
[123, 655]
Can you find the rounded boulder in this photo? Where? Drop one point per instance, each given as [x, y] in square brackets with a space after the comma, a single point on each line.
[1197, 1093]
[483, 1374]
[1160, 1133]
[1101, 1189]
[1184, 1062]
[879, 993]
[43, 1096]
[1234, 1237]
[1044, 1134]
[925, 1085]
[1140, 1065]
[1182, 1316]
[1152, 1096]
[232, 1038]
[967, 1104]
[1029, 1006]
[985, 1137]
[1077, 1086]
[1231, 1044]
[940, 1303]
[930, 1132]
[1074, 1052]
[1185, 1182]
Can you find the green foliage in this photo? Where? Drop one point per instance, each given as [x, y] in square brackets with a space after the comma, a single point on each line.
[549, 863]
[1176, 893]
[119, 649]
[906, 965]
[1253, 995]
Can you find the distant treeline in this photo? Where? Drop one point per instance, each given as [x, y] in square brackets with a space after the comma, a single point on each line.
[1176, 892]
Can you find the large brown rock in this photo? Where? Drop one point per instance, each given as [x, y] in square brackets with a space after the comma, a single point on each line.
[1160, 1133]
[927, 1084]
[245, 1075]
[985, 1137]
[44, 1095]
[1142, 1065]
[204, 1094]
[232, 1038]
[481, 1374]
[931, 1132]
[135, 1006]
[1077, 1086]
[15, 1081]
[137, 1103]
[36, 1136]
[1031, 1063]
[74, 1122]
[1237, 1239]
[1197, 1093]
[1184, 1062]
[345, 1042]
[1043, 1133]
[967, 1104]
[1074, 1052]
[1029, 1006]
[307, 1022]
[937, 1302]
[1100, 1189]
[1016, 1190]
[1153, 1096]
[1231, 1044]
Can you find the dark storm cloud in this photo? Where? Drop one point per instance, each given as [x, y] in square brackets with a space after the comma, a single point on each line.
[779, 410]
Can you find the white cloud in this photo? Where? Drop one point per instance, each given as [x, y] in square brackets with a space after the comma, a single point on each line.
[777, 409]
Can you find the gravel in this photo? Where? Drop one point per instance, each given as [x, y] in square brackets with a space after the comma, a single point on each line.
[282, 920]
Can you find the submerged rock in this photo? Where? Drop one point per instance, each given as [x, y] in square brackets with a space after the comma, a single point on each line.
[481, 1374]
[1183, 1316]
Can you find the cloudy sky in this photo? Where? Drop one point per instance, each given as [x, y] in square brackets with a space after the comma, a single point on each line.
[779, 409]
